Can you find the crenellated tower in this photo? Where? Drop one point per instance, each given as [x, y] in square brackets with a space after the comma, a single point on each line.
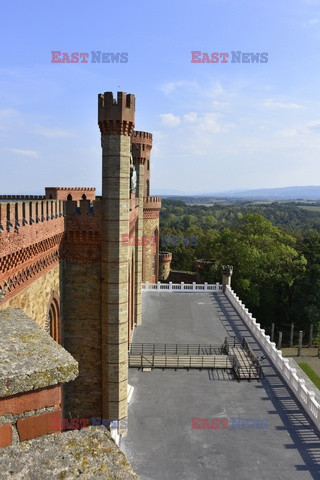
[141, 148]
[116, 123]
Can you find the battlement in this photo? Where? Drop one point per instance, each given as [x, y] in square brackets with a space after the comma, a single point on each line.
[86, 208]
[22, 197]
[151, 202]
[71, 193]
[165, 257]
[143, 138]
[77, 189]
[116, 116]
[16, 215]
[151, 207]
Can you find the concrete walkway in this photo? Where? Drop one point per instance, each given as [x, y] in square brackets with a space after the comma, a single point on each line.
[161, 445]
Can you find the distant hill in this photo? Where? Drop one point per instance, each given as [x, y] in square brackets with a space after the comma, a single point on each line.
[284, 193]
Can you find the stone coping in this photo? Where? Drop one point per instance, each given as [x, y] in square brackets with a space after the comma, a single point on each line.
[29, 358]
[89, 453]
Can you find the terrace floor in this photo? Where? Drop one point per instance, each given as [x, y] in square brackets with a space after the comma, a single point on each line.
[161, 445]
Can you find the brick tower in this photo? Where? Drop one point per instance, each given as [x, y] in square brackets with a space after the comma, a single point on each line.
[141, 148]
[116, 123]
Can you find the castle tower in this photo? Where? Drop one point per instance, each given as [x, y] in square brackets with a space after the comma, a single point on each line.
[165, 259]
[116, 123]
[141, 148]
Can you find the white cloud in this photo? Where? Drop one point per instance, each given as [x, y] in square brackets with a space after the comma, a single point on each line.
[310, 22]
[190, 117]
[24, 153]
[307, 129]
[49, 132]
[270, 103]
[216, 90]
[170, 120]
[8, 112]
[169, 87]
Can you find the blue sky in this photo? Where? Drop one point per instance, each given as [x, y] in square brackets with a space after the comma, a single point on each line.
[216, 126]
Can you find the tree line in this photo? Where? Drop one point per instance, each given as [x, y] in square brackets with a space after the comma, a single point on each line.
[274, 249]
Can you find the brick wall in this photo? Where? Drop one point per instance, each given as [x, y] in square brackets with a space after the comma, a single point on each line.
[30, 415]
[81, 308]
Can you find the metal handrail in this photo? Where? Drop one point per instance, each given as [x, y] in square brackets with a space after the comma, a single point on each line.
[175, 349]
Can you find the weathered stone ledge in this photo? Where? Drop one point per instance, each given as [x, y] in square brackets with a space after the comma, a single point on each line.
[29, 358]
[90, 453]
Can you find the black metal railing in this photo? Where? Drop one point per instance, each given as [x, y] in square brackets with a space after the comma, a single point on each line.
[175, 349]
[230, 342]
[180, 361]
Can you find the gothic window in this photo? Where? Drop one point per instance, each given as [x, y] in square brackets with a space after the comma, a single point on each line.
[54, 320]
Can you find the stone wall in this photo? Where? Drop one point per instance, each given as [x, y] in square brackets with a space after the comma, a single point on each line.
[34, 299]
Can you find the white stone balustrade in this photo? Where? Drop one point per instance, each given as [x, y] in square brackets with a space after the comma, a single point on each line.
[289, 374]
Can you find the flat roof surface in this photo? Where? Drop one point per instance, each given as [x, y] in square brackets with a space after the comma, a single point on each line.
[161, 445]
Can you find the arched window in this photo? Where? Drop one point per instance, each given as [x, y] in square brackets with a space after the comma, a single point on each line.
[148, 165]
[53, 325]
[69, 197]
[50, 196]
[84, 197]
[147, 188]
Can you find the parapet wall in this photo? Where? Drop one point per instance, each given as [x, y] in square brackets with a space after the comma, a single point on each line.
[76, 193]
[30, 237]
[24, 223]
[151, 207]
[22, 197]
[144, 138]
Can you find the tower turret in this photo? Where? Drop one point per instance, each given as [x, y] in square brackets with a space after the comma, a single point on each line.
[116, 123]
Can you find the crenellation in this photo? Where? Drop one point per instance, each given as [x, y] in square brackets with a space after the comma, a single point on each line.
[22, 197]
[14, 216]
[116, 116]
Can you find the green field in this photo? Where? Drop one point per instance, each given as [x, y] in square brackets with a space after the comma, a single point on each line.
[311, 374]
[310, 209]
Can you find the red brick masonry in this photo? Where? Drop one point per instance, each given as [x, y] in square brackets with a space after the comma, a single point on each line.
[34, 425]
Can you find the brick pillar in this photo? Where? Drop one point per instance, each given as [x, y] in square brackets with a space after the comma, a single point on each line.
[116, 123]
